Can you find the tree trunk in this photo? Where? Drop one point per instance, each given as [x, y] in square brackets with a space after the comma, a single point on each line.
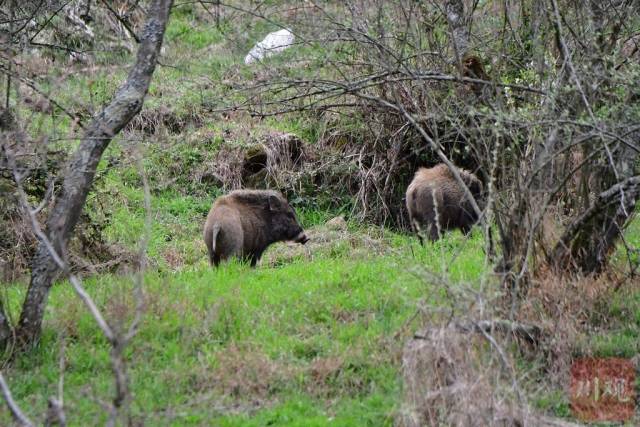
[587, 242]
[454, 10]
[80, 173]
[5, 326]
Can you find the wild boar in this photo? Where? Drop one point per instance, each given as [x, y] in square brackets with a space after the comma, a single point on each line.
[245, 222]
[436, 201]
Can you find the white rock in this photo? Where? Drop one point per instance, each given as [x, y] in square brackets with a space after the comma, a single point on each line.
[273, 43]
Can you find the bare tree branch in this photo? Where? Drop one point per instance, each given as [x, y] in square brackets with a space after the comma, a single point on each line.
[123, 21]
[15, 410]
[117, 341]
[564, 251]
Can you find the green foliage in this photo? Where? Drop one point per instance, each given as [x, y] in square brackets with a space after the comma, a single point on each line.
[302, 125]
[616, 344]
[617, 327]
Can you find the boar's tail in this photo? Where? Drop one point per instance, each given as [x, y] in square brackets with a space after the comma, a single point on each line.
[413, 212]
[215, 232]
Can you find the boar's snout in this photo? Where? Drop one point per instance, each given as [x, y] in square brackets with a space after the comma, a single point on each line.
[301, 238]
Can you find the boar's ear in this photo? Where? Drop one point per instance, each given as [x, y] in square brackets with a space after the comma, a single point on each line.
[274, 203]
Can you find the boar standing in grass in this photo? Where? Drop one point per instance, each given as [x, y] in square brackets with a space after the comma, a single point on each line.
[436, 201]
[245, 222]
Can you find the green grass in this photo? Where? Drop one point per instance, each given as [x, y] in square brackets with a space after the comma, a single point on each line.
[181, 31]
[313, 342]
[616, 325]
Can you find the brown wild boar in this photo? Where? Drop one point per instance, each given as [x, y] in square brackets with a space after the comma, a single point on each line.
[436, 201]
[245, 222]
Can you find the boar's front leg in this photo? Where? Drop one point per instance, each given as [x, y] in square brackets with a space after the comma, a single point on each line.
[254, 257]
[215, 260]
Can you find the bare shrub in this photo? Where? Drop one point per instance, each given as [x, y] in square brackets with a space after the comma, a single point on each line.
[462, 369]
[448, 381]
[307, 173]
[15, 233]
[273, 162]
[152, 120]
[572, 309]
[548, 125]
[269, 161]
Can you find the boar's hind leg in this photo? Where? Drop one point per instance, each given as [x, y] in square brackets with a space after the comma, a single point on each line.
[214, 259]
[214, 249]
[254, 257]
[434, 233]
[415, 225]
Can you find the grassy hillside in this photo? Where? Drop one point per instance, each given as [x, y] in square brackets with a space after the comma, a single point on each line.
[315, 341]
[307, 338]
[314, 335]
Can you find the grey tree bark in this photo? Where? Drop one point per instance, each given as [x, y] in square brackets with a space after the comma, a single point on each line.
[590, 238]
[454, 11]
[80, 172]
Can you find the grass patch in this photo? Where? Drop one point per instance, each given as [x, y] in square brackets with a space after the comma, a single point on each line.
[313, 341]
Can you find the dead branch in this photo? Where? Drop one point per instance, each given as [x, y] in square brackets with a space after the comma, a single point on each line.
[34, 86]
[125, 22]
[117, 341]
[528, 332]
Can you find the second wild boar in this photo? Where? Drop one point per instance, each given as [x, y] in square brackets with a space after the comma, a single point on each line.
[436, 202]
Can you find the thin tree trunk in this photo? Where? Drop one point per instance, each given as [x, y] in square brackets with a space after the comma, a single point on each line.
[81, 171]
[454, 11]
[5, 325]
